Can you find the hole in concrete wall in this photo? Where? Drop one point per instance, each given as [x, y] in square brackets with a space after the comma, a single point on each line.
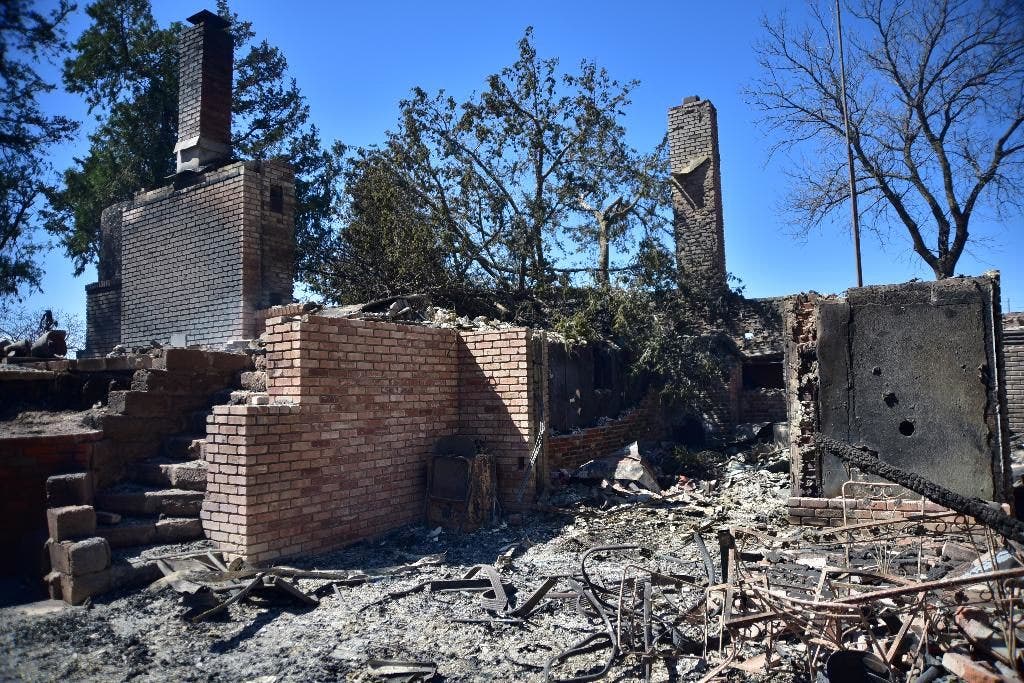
[906, 428]
[276, 199]
[890, 399]
[876, 371]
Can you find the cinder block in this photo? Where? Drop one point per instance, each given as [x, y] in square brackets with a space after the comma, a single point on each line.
[69, 489]
[71, 522]
[80, 557]
[75, 589]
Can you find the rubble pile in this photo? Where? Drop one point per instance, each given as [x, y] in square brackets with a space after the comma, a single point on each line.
[695, 576]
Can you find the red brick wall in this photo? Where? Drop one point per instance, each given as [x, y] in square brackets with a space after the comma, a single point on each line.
[762, 405]
[569, 451]
[25, 463]
[808, 511]
[496, 405]
[347, 459]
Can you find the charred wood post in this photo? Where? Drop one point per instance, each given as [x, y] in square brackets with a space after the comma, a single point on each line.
[865, 459]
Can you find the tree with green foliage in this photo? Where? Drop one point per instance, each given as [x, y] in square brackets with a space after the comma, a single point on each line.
[27, 133]
[126, 68]
[388, 245]
[503, 178]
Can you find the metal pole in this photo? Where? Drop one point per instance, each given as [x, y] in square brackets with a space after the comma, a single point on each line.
[849, 148]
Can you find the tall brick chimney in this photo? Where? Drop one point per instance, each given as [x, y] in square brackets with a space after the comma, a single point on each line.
[697, 193]
[205, 68]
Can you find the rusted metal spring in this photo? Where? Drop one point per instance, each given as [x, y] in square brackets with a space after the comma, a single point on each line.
[867, 460]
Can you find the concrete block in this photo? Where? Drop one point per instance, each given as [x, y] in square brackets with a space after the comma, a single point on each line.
[80, 557]
[69, 489]
[71, 522]
[76, 589]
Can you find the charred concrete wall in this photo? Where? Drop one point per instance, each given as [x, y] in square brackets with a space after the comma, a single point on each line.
[1013, 352]
[913, 371]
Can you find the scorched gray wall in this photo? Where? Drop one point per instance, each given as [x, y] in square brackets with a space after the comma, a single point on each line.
[913, 372]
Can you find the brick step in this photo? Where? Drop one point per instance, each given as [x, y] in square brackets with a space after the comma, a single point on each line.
[127, 499]
[91, 567]
[134, 567]
[189, 474]
[189, 383]
[140, 531]
[155, 403]
[131, 428]
[196, 360]
[183, 447]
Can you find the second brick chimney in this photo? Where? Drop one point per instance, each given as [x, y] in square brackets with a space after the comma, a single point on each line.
[205, 69]
[697, 193]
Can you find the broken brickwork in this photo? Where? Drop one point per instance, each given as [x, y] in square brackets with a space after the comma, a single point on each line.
[103, 298]
[800, 368]
[697, 193]
[1013, 353]
[340, 453]
[569, 451]
[27, 463]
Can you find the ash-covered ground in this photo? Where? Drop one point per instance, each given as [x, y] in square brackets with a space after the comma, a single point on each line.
[141, 635]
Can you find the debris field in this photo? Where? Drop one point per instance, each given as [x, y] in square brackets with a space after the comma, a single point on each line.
[705, 580]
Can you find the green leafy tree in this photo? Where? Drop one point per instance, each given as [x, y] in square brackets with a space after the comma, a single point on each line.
[387, 245]
[500, 176]
[126, 68]
[936, 111]
[27, 37]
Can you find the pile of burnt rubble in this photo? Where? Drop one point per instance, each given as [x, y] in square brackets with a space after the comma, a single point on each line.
[692, 575]
[657, 563]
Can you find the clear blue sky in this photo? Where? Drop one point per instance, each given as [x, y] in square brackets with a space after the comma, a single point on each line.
[355, 60]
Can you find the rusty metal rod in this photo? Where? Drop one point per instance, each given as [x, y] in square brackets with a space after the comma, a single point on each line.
[867, 460]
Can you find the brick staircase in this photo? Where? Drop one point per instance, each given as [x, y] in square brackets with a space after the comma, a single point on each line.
[104, 534]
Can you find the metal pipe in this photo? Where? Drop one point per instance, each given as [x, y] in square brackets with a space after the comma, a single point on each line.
[849, 149]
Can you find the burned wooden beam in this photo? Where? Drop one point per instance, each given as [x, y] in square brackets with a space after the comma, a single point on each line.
[867, 460]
